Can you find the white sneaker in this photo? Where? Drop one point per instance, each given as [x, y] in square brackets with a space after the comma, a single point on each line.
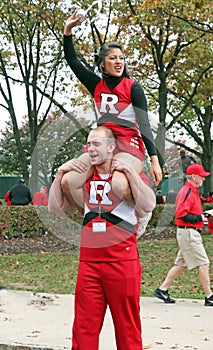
[142, 223]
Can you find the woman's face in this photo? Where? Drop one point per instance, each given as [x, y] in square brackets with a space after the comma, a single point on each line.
[114, 63]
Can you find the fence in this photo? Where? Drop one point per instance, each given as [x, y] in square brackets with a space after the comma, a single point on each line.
[6, 182]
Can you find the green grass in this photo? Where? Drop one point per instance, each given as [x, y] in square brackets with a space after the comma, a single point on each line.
[40, 272]
[56, 272]
[158, 256]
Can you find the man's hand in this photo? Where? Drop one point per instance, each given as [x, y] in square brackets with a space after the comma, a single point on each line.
[119, 165]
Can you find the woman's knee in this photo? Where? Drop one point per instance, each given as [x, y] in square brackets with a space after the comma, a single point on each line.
[135, 163]
[120, 186]
[65, 183]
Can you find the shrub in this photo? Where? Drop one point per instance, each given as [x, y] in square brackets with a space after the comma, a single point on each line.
[30, 221]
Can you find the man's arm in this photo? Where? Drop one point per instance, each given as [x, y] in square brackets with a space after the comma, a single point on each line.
[6, 197]
[143, 196]
[58, 201]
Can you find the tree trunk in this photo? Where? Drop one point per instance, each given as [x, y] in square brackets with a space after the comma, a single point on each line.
[34, 171]
[161, 132]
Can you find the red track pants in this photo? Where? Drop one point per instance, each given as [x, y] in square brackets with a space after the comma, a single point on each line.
[116, 284]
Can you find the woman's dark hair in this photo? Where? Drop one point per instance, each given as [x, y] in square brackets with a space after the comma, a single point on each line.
[104, 52]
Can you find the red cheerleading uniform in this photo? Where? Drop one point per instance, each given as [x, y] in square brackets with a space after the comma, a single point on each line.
[114, 110]
[109, 270]
[120, 104]
[118, 242]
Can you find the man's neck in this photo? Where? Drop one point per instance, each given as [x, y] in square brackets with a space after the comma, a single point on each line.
[192, 183]
[104, 168]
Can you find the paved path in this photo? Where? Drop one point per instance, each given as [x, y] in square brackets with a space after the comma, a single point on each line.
[43, 322]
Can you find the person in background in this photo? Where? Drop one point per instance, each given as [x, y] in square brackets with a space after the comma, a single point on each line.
[109, 267]
[6, 198]
[20, 194]
[210, 225]
[159, 197]
[208, 199]
[208, 214]
[41, 198]
[189, 221]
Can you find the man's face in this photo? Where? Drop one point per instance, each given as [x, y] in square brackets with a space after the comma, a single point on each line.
[198, 180]
[98, 147]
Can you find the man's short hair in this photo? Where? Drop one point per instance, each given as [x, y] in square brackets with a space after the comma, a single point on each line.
[109, 133]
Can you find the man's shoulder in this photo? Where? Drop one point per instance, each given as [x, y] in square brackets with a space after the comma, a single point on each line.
[186, 191]
[183, 190]
[24, 187]
[13, 187]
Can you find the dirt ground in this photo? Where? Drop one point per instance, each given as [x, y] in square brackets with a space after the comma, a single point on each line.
[52, 243]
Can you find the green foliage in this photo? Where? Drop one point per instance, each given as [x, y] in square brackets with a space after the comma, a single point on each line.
[30, 59]
[30, 221]
[9, 158]
[19, 222]
[163, 215]
[207, 206]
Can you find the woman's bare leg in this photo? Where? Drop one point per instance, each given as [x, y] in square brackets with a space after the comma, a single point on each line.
[121, 187]
[120, 184]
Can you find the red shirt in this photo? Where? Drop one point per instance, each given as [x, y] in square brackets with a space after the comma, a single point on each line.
[210, 227]
[209, 199]
[40, 198]
[188, 202]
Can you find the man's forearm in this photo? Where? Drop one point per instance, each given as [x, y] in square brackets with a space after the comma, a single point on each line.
[193, 218]
[143, 195]
[57, 202]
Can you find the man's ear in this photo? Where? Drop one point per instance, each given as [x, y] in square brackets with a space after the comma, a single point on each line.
[111, 147]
